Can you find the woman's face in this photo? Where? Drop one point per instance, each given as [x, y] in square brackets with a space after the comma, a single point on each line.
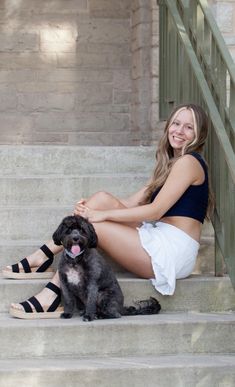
[181, 132]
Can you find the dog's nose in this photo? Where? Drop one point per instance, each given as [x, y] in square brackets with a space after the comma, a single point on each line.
[75, 238]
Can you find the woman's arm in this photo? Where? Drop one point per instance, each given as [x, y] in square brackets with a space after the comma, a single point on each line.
[185, 171]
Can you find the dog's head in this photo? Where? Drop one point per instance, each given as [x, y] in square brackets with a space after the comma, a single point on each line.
[75, 234]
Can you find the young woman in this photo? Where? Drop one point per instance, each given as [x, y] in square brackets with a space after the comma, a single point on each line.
[154, 233]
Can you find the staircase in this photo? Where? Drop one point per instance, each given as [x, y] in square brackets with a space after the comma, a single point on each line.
[190, 343]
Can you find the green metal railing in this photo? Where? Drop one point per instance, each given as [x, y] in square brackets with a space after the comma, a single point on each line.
[195, 66]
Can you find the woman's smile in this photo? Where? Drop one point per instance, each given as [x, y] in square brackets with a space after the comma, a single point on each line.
[181, 131]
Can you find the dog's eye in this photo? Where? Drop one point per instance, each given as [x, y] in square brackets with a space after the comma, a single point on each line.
[82, 230]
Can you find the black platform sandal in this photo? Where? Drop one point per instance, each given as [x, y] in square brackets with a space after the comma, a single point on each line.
[27, 272]
[54, 311]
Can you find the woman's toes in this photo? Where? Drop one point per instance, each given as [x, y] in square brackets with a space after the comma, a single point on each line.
[16, 306]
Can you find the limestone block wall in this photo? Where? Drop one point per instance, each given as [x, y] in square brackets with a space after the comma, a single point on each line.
[65, 72]
[145, 51]
[224, 13]
[84, 71]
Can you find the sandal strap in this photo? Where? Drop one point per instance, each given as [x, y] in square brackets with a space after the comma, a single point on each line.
[47, 251]
[24, 262]
[48, 262]
[27, 307]
[53, 288]
[15, 268]
[54, 304]
[36, 304]
[57, 300]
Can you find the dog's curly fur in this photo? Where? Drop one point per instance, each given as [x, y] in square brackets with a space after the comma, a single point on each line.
[88, 280]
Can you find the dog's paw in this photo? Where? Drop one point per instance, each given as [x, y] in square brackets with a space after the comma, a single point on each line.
[89, 317]
[66, 315]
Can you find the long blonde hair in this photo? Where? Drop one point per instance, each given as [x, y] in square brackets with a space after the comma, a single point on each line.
[165, 153]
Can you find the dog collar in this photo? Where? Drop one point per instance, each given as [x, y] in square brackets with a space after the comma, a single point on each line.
[71, 255]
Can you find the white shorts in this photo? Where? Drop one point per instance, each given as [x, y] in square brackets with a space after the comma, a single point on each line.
[173, 254]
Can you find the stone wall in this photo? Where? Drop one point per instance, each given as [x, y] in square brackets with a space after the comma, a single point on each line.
[145, 51]
[224, 13]
[65, 72]
[84, 71]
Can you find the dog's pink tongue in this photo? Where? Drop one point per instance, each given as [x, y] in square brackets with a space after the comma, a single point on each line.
[75, 249]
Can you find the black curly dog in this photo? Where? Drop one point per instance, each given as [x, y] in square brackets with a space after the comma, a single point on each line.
[87, 280]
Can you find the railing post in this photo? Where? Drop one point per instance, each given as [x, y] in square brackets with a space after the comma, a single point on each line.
[232, 109]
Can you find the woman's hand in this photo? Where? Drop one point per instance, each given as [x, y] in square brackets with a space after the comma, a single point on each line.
[82, 201]
[89, 214]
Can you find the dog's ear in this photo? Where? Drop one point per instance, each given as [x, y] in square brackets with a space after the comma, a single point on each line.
[93, 239]
[58, 234]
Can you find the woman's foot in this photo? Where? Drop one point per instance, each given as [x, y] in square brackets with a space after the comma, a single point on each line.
[45, 304]
[36, 265]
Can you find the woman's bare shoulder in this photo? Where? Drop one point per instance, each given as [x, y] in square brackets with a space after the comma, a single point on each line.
[189, 165]
[187, 160]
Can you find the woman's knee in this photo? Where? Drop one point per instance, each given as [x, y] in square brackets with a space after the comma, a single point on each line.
[102, 200]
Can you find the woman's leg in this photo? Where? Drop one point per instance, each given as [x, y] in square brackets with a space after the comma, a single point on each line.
[120, 241]
[123, 245]
[103, 201]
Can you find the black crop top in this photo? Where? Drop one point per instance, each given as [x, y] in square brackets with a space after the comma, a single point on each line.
[193, 203]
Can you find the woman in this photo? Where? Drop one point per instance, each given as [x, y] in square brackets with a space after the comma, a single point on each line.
[154, 233]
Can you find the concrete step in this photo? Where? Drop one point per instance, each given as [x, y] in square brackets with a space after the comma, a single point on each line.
[12, 251]
[163, 334]
[205, 263]
[75, 160]
[31, 223]
[196, 293]
[149, 371]
[64, 190]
